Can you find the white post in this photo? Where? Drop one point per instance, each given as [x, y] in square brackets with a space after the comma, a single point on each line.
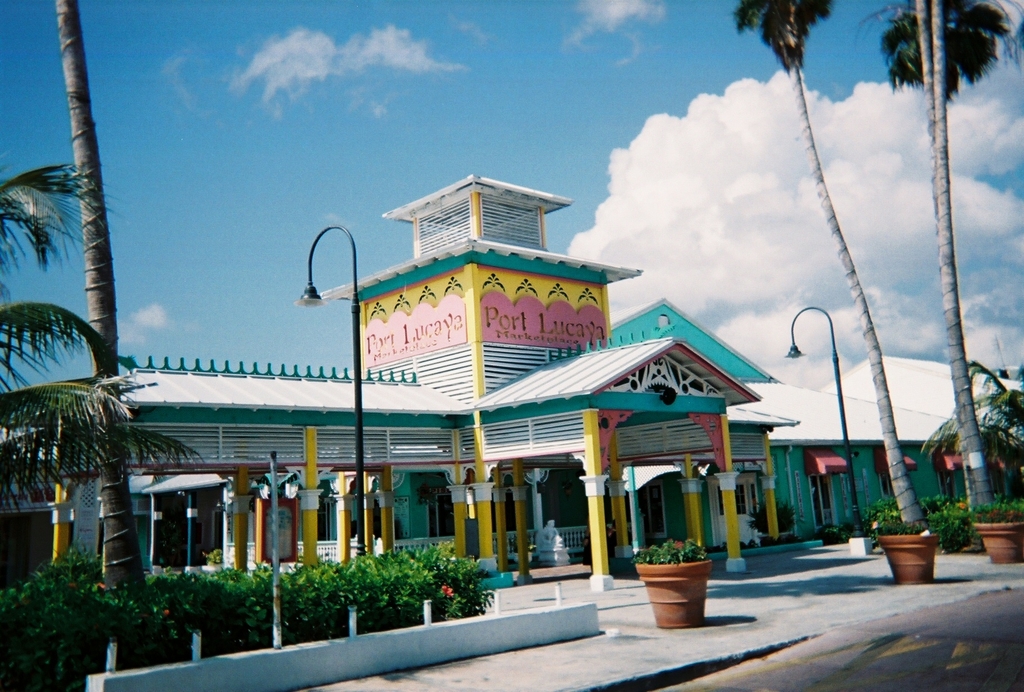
[558, 594]
[352, 621]
[275, 546]
[154, 517]
[428, 612]
[112, 655]
[197, 645]
[497, 603]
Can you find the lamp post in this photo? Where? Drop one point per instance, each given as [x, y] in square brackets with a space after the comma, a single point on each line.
[310, 299]
[794, 352]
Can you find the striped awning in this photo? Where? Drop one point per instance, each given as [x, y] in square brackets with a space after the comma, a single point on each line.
[882, 464]
[819, 461]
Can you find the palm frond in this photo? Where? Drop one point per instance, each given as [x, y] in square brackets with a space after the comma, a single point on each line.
[41, 203]
[59, 430]
[38, 334]
[784, 25]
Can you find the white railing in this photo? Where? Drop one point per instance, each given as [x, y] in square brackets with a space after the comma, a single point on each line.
[325, 550]
[572, 536]
[416, 545]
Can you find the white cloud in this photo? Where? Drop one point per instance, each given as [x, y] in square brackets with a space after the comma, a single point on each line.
[719, 209]
[135, 330]
[611, 15]
[292, 63]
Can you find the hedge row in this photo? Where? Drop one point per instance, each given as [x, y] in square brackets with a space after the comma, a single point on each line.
[948, 518]
[55, 626]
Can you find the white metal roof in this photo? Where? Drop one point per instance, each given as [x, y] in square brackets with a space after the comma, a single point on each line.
[918, 385]
[591, 372]
[211, 390]
[482, 246]
[150, 485]
[818, 413]
[462, 188]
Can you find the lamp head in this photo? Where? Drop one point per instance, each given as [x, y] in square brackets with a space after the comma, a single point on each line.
[310, 298]
[794, 352]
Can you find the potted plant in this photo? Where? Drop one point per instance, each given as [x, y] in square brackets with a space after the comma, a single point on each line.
[214, 560]
[909, 551]
[676, 576]
[1001, 526]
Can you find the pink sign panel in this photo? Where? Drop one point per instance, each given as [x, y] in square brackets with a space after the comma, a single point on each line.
[529, 323]
[426, 329]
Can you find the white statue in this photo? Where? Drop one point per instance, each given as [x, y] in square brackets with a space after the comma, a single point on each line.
[551, 551]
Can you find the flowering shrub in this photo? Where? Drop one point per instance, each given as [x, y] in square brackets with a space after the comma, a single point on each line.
[1002, 512]
[56, 625]
[671, 552]
[948, 518]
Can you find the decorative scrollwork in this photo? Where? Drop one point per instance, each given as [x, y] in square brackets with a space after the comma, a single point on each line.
[661, 374]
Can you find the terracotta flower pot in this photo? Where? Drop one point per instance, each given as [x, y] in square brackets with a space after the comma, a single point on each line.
[677, 592]
[911, 558]
[1004, 543]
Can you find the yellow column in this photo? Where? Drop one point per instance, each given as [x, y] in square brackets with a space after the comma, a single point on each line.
[768, 484]
[386, 498]
[593, 480]
[691, 502]
[62, 521]
[345, 502]
[240, 510]
[520, 493]
[727, 483]
[500, 530]
[476, 217]
[368, 513]
[458, 497]
[617, 491]
[482, 498]
[309, 500]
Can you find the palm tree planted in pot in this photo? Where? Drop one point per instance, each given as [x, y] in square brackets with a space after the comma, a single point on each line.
[910, 553]
[676, 576]
[1001, 527]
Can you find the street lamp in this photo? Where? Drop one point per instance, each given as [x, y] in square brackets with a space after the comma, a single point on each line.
[311, 299]
[794, 352]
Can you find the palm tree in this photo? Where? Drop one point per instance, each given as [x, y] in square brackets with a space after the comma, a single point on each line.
[958, 41]
[121, 558]
[1001, 420]
[53, 431]
[784, 26]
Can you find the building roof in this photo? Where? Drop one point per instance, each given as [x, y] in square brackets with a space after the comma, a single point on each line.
[642, 322]
[151, 485]
[462, 188]
[222, 390]
[480, 247]
[918, 385]
[592, 372]
[818, 416]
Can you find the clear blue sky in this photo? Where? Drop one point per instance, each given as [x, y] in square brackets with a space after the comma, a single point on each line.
[215, 193]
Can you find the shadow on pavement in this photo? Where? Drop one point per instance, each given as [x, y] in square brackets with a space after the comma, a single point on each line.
[726, 620]
[817, 586]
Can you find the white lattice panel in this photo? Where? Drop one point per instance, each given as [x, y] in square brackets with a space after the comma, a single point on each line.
[444, 227]
[544, 435]
[514, 224]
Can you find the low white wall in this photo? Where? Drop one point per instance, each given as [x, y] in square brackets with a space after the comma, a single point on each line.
[322, 663]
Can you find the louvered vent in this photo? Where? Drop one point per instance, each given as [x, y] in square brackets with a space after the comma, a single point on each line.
[545, 435]
[467, 444]
[514, 224]
[505, 362]
[661, 438]
[449, 371]
[444, 227]
[390, 445]
[747, 446]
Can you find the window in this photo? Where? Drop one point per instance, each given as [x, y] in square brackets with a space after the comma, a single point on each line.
[885, 483]
[741, 498]
[441, 516]
[821, 500]
[947, 484]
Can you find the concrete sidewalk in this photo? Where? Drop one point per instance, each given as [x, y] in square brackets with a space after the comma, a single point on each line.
[782, 599]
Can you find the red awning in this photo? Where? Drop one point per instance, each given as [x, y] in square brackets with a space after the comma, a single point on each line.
[947, 462]
[819, 461]
[882, 464]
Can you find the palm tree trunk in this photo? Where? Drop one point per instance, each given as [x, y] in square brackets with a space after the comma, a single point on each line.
[122, 558]
[979, 487]
[906, 497]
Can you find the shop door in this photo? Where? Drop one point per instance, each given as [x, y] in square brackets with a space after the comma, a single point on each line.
[746, 507]
[821, 501]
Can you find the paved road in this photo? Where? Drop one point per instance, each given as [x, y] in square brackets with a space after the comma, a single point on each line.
[973, 645]
[783, 598]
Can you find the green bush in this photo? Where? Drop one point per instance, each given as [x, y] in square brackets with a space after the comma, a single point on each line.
[952, 524]
[948, 518]
[56, 626]
[896, 528]
[783, 511]
[671, 552]
[1004, 511]
[830, 534]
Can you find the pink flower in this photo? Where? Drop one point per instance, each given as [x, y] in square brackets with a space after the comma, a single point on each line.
[447, 591]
